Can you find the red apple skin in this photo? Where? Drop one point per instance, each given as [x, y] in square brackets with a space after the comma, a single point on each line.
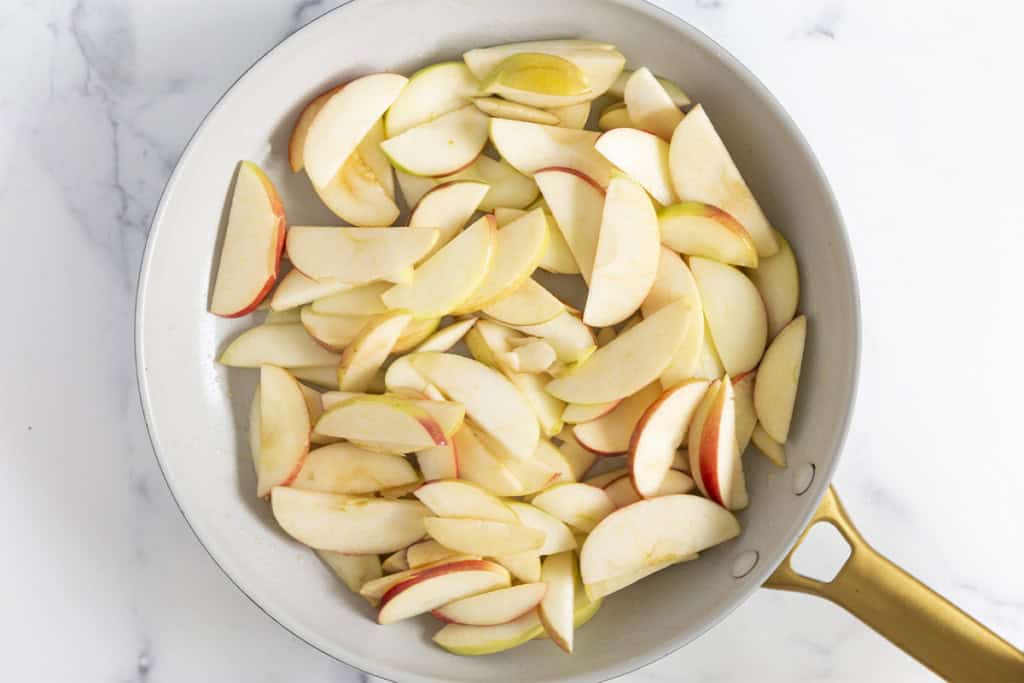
[291, 477]
[306, 117]
[578, 174]
[709, 448]
[429, 572]
[460, 169]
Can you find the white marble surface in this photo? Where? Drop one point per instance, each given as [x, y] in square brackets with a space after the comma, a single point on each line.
[913, 108]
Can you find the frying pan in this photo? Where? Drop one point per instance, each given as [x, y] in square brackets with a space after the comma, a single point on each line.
[196, 409]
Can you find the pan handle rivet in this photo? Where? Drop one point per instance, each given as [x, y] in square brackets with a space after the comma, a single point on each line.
[744, 563]
[803, 477]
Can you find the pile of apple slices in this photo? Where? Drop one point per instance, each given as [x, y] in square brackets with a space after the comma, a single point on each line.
[477, 448]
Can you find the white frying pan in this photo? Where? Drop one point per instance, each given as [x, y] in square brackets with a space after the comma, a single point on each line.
[196, 409]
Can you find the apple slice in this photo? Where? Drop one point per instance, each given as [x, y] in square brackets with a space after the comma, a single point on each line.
[546, 407]
[575, 413]
[441, 147]
[357, 255]
[769, 447]
[653, 531]
[431, 588]
[295, 289]
[343, 468]
[448, 207]
[509, 187]
[778, 378]
[375, 158]
[530, 147]
[463, 500]
[714, 457]
[439, 462]
[297, 141]
[325, 376]
[608, 478]
[746, 414]
[579, 505]
[660, 432]
[355, 194]
[572, 341]
[478, 465]
[557, 257]
[353, 570]
[395, 562]
[451, 275]
[488, 339]
[577, 203]
[374, 590]
[497, 607]
[382, 419]
[649, 106]
[614, 116]
[415, 187]
[431, 92]
[251, 255]
[363, 300]
[579, 458]
[415, 332]
[699, 229]
[461, 639]
[279, 434]
[537, 79]
[402, 378]
[618, 88]
[643, 157]
[365, 356]
[572, 115]
[610, 434]
[629, 362]
[735, 314]
[556, 609]
[533, 474]
[343, 121]
[491, 401]
[778, 280]
[528, 304]
[283, 317]
[347, 524]
[333, 332]
[623, 492]
[286, 346]
[447, 415]
[703, 171]
[626, 260]
[534, 357]
[483, 537]
[429, 552]
[504, 109]
[525, 567]
[447, 337]
[601, 589]
[518, 250]
[673, 282]
[557, 536]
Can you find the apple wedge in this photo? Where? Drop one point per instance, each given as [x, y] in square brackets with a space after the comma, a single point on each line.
[525, 567]
[343, 120]
[286, 346]
[581, 506]
[295, 289]
[623, 492]
[353, 570]
[608, 478]
[431, 92]
[557, 607]
[579, 458]
[441, 147]
[450, 276]
[348, 524]
[649, 105]
[699, 229]
[365, 356]
[447, 415]
[518, 250]
[297, 140]
[462, 500]
[528, 304]
[557, 256]
[534, 357]
[483, 537]
[611, 433]
[489, 339]
[509, 187]
[601, 589]
[429, 552]
[629, 362]
[769, 447]
[577, 203]
[530, 147]
[557, 536]
[333, 332]
[395, 562]
[643, 157]
[415, 332]
[415, 187]
[575, 413]
[288, 317]
[714, 457]
[356, 195]
[778, 280]
[447, 337]
[363, 300]
[402, 378]
[282, 429]
[572, 341]
[251, 255]
[778, 378]
[439, 462]
[375, 158]
[325, 376]
[618, 88]
[504, 109]
[537, 79]
[533, 474]
[572, 115]
[658, 530]
[546, 407]
[431, 588]
[703, 171]
[497, 607]
[673, 282]
[382, 419]
[461, 639]
[735, 314]
[746, 414]
[626, 260]
[614, 116]
[343, 468]
[491, 401]
[357, 255]
[478, 465]
[659, 434]
[448, 207]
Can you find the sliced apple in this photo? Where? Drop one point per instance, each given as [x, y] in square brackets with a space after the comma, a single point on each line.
[778, 379]
[629, 362]
[537, 79]
[623, 492]
[528, 304]
[504, 109]
[576, 413]
[778, 280]
[626, 260]
[348, 524]
[355, 194]
[278, 430]
[251, 255]
[530, 147]
[769, 447]
[556, 609]
[643, 157]
[490, 400]
[395, 562]
[735, 314]
[572, 341]
[533, 475]
[608, 478]
[447, 337]
[610, 434]
[703, 171]
[497, 607]
[343, 121]
[431, 92]
[557, 256]
[525, 567]
[601, 589]
[660, 432]
[714, 457]
[572, 115]
[297, 141]
[546, 407]
[478, 465]
[402, 378]
[557, 536]
[579, 458]
[428, 552]
[282, 317]
[374, 157]
[653, 531]
[383, 419]
[577, 203]
[699, 229]
[343, 468]
[414, 187]
[439, 462]
[483, 537]
[673, 282]
[286, 346]
[416, 332]
[353, 570]
[441, 147]
[448, 415]
[618, 88]
[487, 339]
[709, 365]
[295, 289]
[535, 357]
[362, 300]
[357, 255]
[461, 639]
[614, 116]
[325, 376]
[579, 505]
[650, 107]
[509, 187]
[365, 356]
[333, 332]
[450, 276]
[448, 207]
[462, 500]
[431, 588]
[374, 590]
[746, 414]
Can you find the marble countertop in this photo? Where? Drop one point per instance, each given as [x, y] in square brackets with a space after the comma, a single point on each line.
[913, 109]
